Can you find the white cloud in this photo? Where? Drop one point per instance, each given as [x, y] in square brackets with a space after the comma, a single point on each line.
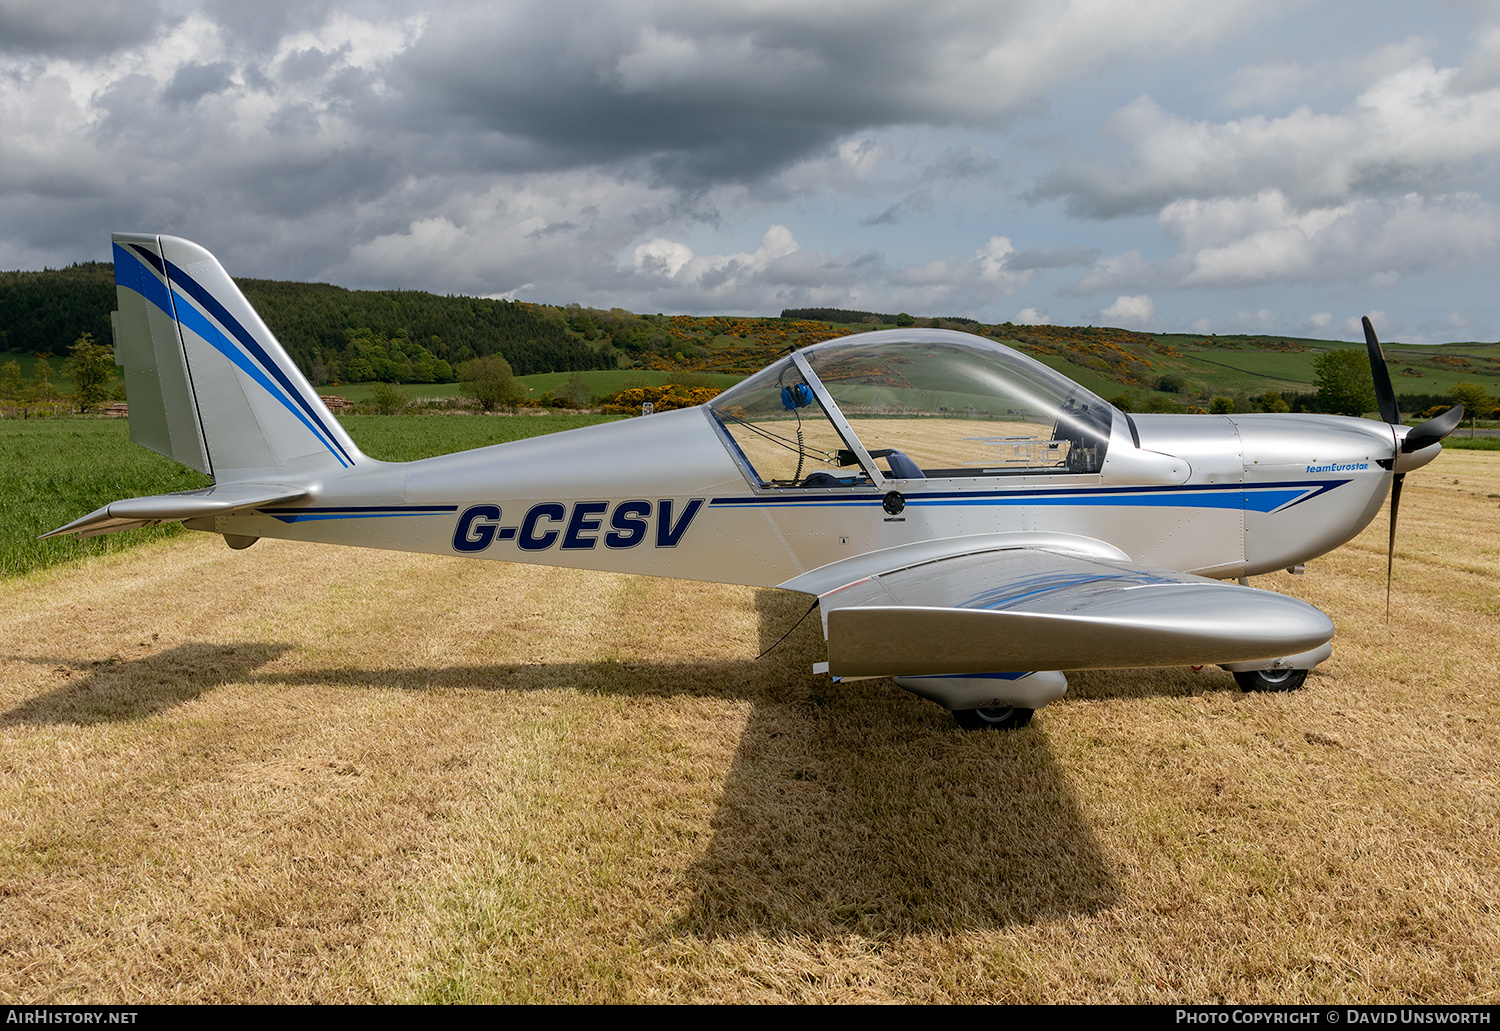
[994, 267]
[1263, 320]
[861, 155]
[662, 257]
[1127, 311]
[562, 231]
[1284, 81]
[1114, 271]
[1410, 130]
[1260, 240]
[781, 273]
[1377, 319]
[1032, 317]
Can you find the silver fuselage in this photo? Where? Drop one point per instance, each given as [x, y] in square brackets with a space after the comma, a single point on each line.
[668, 495]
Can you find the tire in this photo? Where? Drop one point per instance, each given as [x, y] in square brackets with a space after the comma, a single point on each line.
[1270, 679]
[993, 719]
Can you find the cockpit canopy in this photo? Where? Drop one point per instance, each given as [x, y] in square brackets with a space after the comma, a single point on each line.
[925, 404]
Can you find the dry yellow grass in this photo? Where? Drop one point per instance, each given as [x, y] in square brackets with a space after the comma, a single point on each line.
[297, 774]
[932, 443]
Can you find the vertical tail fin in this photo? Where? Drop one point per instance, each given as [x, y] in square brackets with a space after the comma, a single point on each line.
[207, 382]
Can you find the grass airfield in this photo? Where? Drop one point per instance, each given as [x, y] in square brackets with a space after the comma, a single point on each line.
[306, 774]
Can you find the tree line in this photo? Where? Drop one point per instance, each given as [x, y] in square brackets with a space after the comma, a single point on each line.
[330, 332]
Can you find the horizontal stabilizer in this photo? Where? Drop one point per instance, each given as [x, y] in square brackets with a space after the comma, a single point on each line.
[133, 513]
[1043, 609]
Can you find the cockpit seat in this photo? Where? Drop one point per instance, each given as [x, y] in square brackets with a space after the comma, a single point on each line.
[902, 467]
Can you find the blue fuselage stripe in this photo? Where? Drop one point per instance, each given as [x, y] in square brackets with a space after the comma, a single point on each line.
[1250, 497]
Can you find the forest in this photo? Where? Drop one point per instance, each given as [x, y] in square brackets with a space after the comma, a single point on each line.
[334, 334]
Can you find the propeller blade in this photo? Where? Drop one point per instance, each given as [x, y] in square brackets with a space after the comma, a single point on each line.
[1390, 552]
[1433, 430]
[1385, 394]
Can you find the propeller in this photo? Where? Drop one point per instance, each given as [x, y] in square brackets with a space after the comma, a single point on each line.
[1433, 430]
[1425, 435]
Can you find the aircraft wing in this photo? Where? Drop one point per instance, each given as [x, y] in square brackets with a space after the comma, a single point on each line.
[1011, 608]
[166, 508]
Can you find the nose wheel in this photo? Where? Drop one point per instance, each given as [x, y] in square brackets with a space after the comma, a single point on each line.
[993, 719]
[1270, 679]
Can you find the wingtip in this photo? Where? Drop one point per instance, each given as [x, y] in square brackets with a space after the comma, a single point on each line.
[98, 515]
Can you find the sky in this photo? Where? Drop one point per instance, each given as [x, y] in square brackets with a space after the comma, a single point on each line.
[1166, 165]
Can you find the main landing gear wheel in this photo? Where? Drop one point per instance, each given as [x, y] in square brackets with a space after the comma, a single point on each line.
[1270, 679]
[993, 719]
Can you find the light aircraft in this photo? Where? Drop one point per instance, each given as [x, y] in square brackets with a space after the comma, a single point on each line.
[971, 522]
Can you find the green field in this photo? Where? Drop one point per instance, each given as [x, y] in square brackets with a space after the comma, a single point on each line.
[359, 392]
[53, 471]
[1255, 364]
[398, 438]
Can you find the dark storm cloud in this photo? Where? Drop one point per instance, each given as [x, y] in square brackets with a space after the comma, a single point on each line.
[682, 97]
[288, 187]
[310, 63]
[262, 24]
[129, 101]
[75, 28]
[700, 95]
[194, 81]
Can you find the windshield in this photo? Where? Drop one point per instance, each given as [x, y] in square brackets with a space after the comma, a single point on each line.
[779, 426]
[926, 403]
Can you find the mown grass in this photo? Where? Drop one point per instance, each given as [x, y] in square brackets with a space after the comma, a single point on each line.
[53, 471]
[282, 775]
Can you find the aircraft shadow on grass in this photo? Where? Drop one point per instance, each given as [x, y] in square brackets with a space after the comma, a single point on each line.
[848, 808]
[118, 690]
